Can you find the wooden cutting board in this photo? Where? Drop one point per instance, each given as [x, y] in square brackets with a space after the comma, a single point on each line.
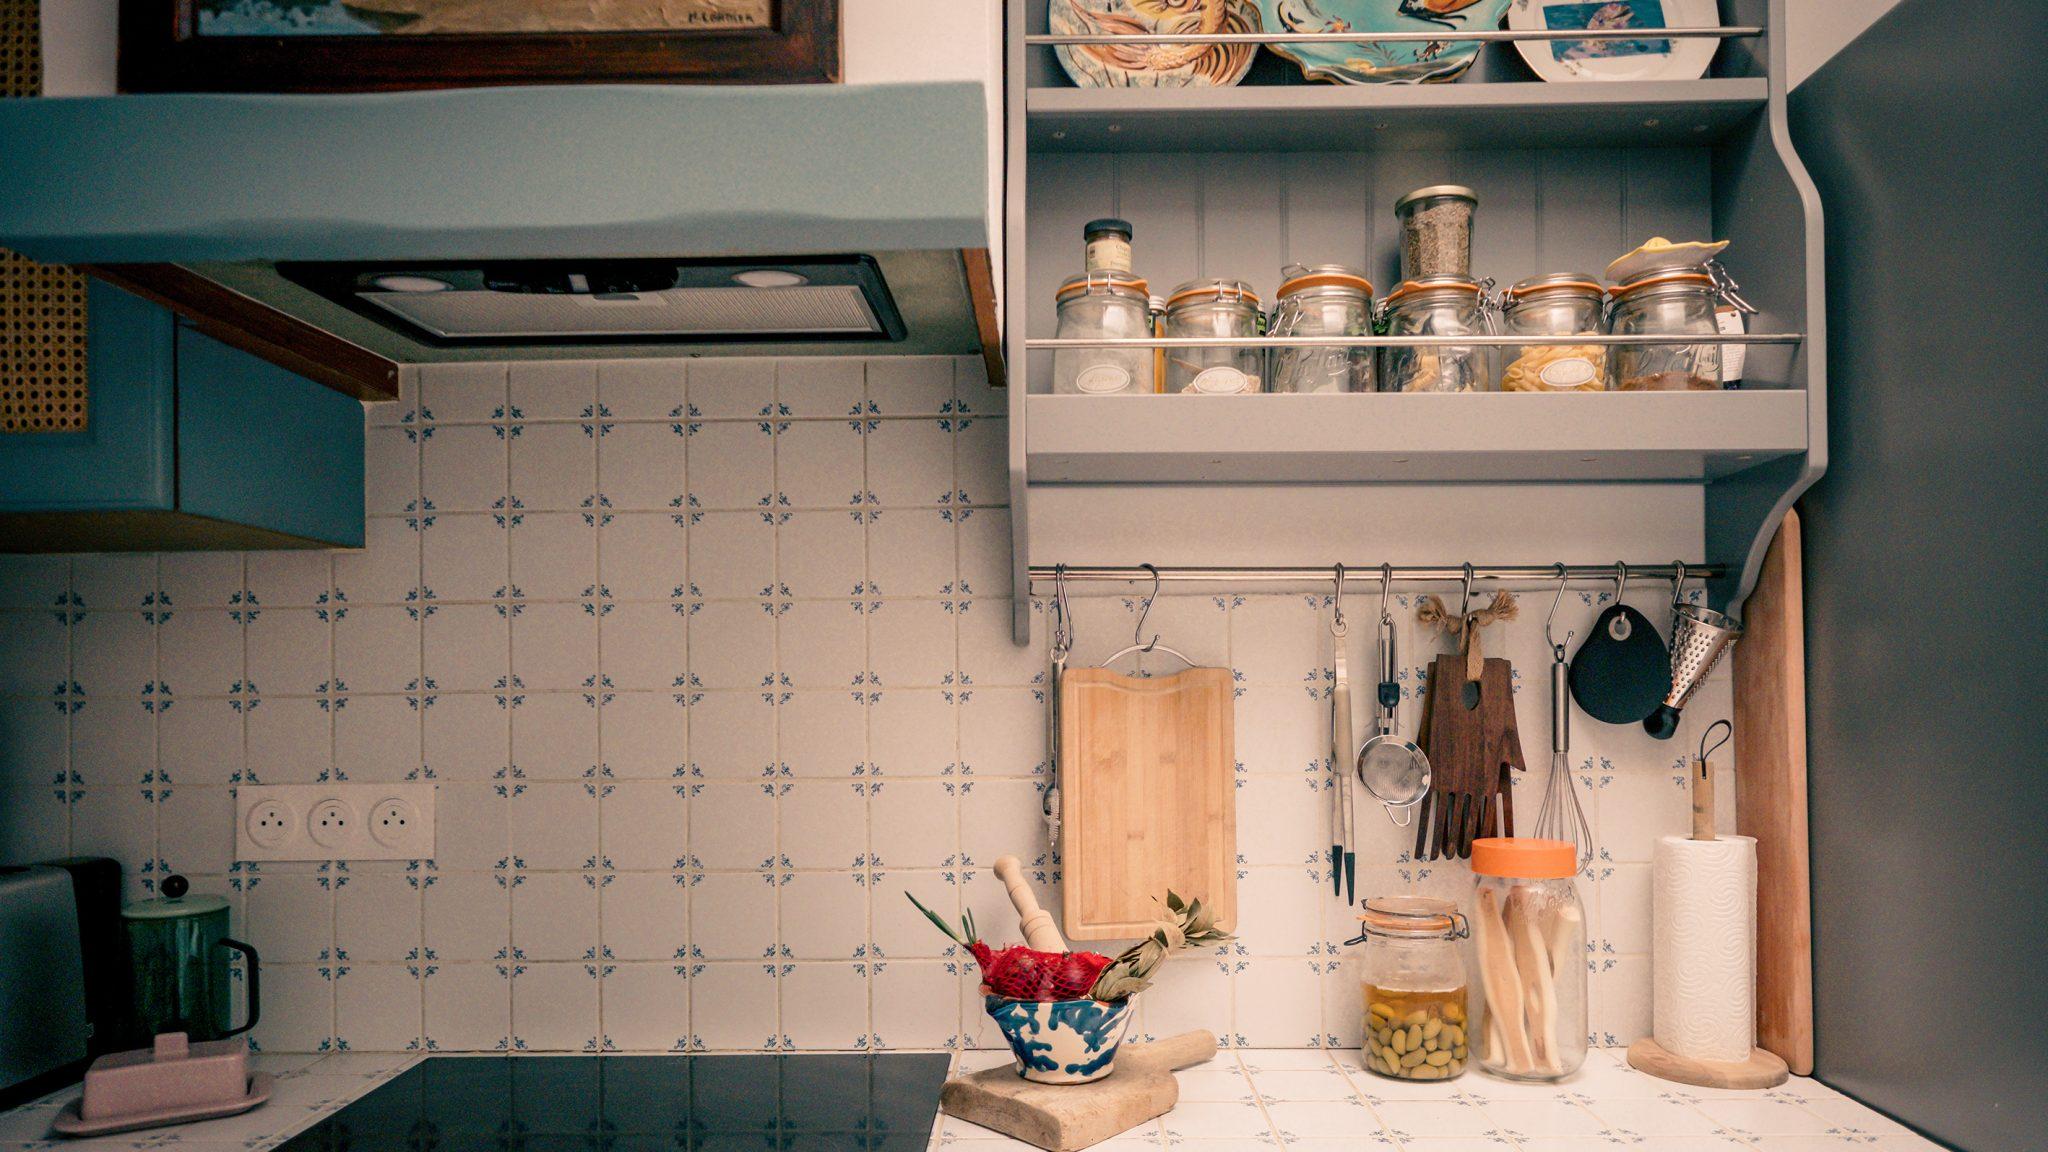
[1069, 1117]
[1770, 797]
[1149, 797]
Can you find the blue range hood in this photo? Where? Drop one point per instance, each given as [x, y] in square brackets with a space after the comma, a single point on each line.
[194, 200]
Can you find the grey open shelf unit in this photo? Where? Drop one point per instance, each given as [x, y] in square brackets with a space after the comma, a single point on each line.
[1241, 181]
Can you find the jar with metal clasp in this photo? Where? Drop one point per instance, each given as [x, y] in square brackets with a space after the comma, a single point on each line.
[1326, 300]
[1210, 308]
[1559, 304]
[1412, 988]
[1438, 306]
[1671, 302]
[1102, 305]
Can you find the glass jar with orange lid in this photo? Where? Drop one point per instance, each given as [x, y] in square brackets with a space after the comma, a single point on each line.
[1412, 988]
[1531, 935]
[1326, 300]
[1214, 308]
[1559, 304]
[1439, 306]
[1103, 305]
[1666, 302]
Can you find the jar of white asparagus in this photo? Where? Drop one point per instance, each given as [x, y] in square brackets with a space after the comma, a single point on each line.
[1531, 935]
[1412, 988]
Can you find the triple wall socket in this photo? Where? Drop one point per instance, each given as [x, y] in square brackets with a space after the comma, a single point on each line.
[334, 821]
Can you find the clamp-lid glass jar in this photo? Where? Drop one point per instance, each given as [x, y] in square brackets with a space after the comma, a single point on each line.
[1531, 933]
[1560, 304]
[1102, 306]
[1436, 231]
[1226, 308]
[1326, 300]
[1666, 303]
[1444, 306]
[1412, 987]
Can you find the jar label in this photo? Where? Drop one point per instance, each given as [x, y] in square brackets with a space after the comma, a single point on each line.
[1102, 379]
[1220, 381]
[1729, 323]
[1109, 254]
[1567, 375]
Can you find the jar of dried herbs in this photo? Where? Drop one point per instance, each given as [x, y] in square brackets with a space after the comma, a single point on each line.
[1443, 306]
[1560, 304]
[1204, 308]
[1412, 988]
[1102, 305]
[1436, 231]
[1666, 303]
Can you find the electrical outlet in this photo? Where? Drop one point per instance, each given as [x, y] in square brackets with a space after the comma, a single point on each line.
[334, 821]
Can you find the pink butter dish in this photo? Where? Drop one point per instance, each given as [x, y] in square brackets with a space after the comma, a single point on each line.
[173, 1083]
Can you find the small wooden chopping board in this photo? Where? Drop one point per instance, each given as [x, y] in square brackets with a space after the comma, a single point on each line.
[1069, 1117]
[1148, 776]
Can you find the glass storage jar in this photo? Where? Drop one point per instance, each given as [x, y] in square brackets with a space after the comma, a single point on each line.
[1666, 303]
[1436, 231]
[1213, 308]
[1444, 306]
[1326, 300]
[1560, 304]
[1531, 935]
[1412, 988]
[1106, 246]
[1102, 306]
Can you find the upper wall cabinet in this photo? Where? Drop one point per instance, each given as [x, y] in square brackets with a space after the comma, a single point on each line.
[1241, 181]
[189, 444]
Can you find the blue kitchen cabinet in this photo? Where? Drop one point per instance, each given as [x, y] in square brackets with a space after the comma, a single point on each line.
[190, 444]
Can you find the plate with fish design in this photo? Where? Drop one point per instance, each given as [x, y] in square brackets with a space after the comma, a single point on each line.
[1646, 59]
[1399, 62]
[1153, 65]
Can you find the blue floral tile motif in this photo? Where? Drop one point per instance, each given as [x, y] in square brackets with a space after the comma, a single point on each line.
[1061, 1041]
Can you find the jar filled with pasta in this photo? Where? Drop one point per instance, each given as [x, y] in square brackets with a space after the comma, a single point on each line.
[1326, 300]
[1666, 303]
[1412, 988]
[1100, 305]
[1439, 306]
[1213, 308]
[1560, 304]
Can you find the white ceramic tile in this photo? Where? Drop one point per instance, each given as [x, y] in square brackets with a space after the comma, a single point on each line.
[646, 825]
[732, 1007]
[466, 916]
[463, 467]
[642, 466]
[1295, 818]
[820, 464]
[732, 645]
[203, 647]
[104, 580]
[554, 1008]
[195, 830]
[728, 388]
[646, 1007]
[823, 1006]
[989, 654]
[916, 824]
[553, 826]
[910, 386]
[909, 462]
[376, 649]
[1326, 1083]
[821, 825]
[731, 465]
[900, 931]
[732, 825]
[554, 916]
[1340, 1118]
[1280, 908]
[298, 1008]
[464, 556]
[386, 569]
[828, 646]
[553, 466]
[641, 389]
[820, 385]
[554, 646]
[1278, 1003]
[472, 825]
[645, 916]
[466, 736]
[199, 742]
[911, 1002]
[733, 736]
[553, 389]
[1653, 1117]
[1219, 1080]
[377, 738]
[912, 732]
[911, 552]
[1190, 992]
[645, 645]
[288, 650]
[981, 459]
[1416, 1118]
[821, 734]
[1544, 1118]
[290, 741]
[391, 472]
[644, 556]
[985, 551]
[732, 916]
[455, 392]
[912, 644]
[291, 918]
[377, 917]
[380, 1005]
[1215, 1121]
[821, 554]
[554, 736]
[112, 653]
[554, 556]
[1755, 1117]
[1002, 731]
[196, 579]
[645, 735]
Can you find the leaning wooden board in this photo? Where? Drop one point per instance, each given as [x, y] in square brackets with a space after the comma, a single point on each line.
[1770, 797]
[1148, 785]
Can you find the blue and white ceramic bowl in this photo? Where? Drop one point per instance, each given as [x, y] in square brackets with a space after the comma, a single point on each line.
[1400, 62]
[1061, 1041]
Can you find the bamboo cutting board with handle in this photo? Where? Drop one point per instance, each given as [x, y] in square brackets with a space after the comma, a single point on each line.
[1148, 773]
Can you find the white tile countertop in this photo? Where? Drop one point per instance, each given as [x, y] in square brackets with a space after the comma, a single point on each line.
[1243, 1099]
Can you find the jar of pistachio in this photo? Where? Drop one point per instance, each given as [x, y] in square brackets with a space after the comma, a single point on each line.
[1412, 988]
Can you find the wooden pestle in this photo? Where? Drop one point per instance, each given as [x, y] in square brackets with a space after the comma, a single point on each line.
[1035, 922]
[1702, 800]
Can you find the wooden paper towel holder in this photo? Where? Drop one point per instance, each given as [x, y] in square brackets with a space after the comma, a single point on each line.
[1762, 1069]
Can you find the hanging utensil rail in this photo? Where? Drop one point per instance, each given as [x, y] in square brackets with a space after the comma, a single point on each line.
[1534, 575]
[1725, 32]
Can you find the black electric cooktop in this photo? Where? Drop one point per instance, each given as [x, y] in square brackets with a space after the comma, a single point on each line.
[766, 1103]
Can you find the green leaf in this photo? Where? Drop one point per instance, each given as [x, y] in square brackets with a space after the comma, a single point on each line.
[941, 924]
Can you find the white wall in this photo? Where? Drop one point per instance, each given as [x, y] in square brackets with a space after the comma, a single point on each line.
[1817, 29]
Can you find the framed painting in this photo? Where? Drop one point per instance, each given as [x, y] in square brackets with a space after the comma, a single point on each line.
[383, 45]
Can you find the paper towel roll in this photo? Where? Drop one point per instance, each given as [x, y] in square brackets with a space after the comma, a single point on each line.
[1703, 947]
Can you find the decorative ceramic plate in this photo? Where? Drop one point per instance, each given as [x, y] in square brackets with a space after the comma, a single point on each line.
[1645, 59]
[1401, 62]
[1153, 65]
[1661, 255]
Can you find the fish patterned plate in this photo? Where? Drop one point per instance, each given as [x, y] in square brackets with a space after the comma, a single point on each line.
[1400, 62]
[1153, 65]
[1646, 59]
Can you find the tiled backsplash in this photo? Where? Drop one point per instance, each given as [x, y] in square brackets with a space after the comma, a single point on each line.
[711, 661]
